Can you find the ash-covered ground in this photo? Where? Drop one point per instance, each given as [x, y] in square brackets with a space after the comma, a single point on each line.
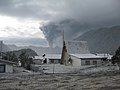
[95, 78]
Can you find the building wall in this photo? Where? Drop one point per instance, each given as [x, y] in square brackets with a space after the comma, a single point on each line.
[82, 62]
[55, 61]
[76, 61]
[8, 67]
[37, 61]
[99, 62]
[2, 68]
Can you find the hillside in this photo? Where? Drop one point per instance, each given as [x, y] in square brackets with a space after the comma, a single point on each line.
[4, 47]
[29, 52]
[38, 50]
[104, 40]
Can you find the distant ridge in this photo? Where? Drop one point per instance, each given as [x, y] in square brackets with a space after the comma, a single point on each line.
[4, 47]
[103, 40]
[27, 51]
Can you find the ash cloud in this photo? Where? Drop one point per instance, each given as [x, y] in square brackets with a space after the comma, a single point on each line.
[54, 10]
[80, 16]
[54, 31]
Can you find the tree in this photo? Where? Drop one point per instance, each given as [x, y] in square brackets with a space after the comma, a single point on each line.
[116, 57]
[10, 56]
[14, 58]
[25, 60]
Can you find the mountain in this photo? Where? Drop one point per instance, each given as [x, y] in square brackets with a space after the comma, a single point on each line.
[103, 40]
[39, 50]
[4, 47]
[72, 47]
[14, 47]
[28, 51]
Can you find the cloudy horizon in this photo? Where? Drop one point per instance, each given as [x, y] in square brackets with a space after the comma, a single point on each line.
[22, 18]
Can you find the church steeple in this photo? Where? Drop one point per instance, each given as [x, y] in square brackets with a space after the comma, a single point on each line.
[64, 56]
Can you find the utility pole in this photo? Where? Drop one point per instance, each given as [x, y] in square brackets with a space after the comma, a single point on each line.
[1, 48]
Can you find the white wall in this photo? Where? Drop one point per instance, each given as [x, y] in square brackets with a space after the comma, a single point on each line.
[99, 62]
[37, 61]
[8, 67]
[76, 61]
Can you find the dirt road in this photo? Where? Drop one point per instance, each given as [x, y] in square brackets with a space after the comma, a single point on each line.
[99, 81]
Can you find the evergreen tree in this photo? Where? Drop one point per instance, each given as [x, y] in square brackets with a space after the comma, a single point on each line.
[116, 57]
[25, 60]
[10, 56]
[14, 57]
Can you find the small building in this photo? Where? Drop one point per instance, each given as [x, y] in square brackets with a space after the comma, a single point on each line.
[6, 66]
[53, 58]
[87, 59]
[108, 56]
[77, 47]
[48, 59]
[38, 60]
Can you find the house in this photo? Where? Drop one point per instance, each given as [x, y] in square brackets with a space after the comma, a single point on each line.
[48, 59]
[108, 56]
[53, 58]
[81, 56]
[6, 66]
[87, 59]
[79, 47]
[38, 60]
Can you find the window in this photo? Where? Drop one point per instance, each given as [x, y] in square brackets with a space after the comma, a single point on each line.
[51, 60]
[94, 62]
[2, 68]
[87, 62]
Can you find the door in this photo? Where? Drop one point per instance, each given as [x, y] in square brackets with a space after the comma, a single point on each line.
[2, 68]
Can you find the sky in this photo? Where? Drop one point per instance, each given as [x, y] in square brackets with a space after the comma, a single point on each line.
[20, 20]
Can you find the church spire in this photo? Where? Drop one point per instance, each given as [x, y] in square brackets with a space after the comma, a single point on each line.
[64, 56]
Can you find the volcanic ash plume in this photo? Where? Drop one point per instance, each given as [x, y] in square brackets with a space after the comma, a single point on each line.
[72, 29]
[51, 31]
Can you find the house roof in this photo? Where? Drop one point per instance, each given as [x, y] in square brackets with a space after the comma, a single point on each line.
[50, 56]
[105, 55]
[79, 47]
[6, 61]
[85, 56]
[38, 57]
[53, 56]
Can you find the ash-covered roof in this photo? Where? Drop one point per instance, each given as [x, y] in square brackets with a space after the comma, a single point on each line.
[53, 56]
[79, 47]
[105, 55]
[85, 56]
[49, 56]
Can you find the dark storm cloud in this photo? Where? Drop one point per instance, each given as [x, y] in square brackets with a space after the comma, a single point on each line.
[94, 11]
[82, 10]
[24, 9]
[88, 13]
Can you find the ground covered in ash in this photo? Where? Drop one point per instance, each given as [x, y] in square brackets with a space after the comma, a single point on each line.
[102, 80]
